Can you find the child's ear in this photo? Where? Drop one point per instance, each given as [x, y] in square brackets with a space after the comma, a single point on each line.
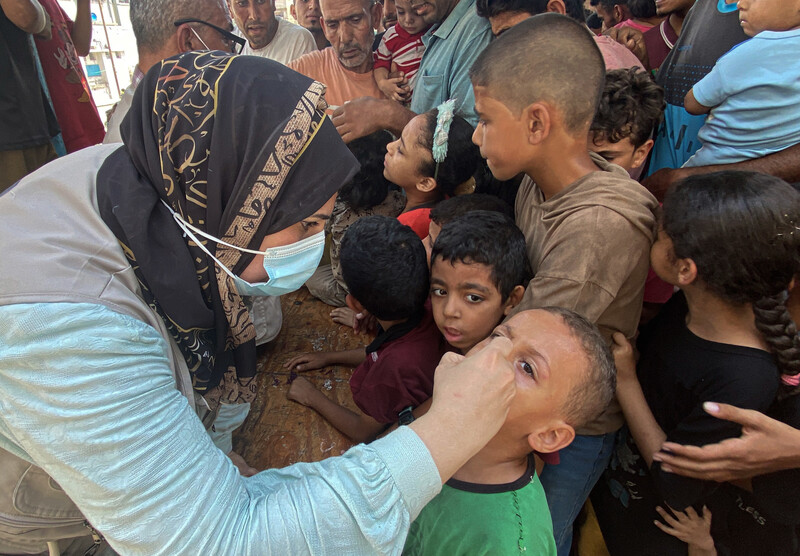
[513, 299]
[537, 120]
[552, 439]
[687, 272]
[641, 152]
[353, 303]
[426, 185]
[556, 7]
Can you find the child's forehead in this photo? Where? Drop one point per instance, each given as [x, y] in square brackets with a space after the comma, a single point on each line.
[546, 330]
[474, 271]
[404, 4]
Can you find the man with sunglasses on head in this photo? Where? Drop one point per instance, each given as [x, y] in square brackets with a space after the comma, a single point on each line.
[268, 35]
[165, 28]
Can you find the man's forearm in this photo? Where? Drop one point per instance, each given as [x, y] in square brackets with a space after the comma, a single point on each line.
[82, 28]
[395, 116]
[365, 115]
[784, 164]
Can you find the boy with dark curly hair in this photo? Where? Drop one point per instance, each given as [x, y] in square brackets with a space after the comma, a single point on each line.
[630, 109]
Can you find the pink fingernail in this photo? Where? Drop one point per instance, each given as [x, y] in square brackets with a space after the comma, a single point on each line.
[711, 407]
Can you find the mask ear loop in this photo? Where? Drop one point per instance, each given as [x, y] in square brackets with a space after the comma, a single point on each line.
[199, 39]
[187, 231]
[184, 224]
[441, 134]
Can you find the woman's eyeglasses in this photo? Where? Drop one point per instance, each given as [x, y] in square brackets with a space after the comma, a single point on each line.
[235, 43]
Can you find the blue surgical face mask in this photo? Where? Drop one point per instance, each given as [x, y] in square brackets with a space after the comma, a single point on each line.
[288, 267]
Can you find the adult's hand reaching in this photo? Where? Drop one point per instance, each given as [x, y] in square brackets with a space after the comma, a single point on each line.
[765, 446]
[471, 397]
[362, 116]
[633, 40]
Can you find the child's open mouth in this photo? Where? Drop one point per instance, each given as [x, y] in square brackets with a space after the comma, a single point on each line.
[452, 334]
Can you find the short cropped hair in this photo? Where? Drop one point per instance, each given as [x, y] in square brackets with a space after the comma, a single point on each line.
[488, 238]
[385, 267]
[493, 8]
[631, 106]
[454, 207]
[608, 5]
[642, 8]
[153, 20]
[548, 57]
[591, 396]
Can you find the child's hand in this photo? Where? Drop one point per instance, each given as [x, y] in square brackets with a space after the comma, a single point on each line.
[393, 88]
[693, 529]
[308, 361]
[345, 316]
[623, 357]
[302, 391]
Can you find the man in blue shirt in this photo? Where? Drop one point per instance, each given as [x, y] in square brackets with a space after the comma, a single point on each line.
[457, 37]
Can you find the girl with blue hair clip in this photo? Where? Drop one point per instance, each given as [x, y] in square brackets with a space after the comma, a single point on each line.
[433, 159]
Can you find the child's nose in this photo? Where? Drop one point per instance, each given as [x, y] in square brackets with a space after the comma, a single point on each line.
[451, 307]
[476, 136]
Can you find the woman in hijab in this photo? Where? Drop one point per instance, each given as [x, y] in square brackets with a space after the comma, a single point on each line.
[124, 331]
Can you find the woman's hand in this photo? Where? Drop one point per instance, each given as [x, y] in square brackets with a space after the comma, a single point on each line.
[471, 397]
[622, 350]
[765, 446]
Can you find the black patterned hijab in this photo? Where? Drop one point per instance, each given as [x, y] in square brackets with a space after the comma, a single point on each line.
[240, 147]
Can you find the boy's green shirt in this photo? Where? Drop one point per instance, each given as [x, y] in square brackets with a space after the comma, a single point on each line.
[472, 519]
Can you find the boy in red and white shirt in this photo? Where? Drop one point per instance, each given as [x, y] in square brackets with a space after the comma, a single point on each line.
[400, 50]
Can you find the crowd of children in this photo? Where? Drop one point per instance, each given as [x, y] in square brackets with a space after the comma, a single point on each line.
[563, 278]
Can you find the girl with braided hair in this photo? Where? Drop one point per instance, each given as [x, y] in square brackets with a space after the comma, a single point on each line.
[731, 242]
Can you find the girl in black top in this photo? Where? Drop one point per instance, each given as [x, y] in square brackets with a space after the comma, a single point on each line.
[731, 242]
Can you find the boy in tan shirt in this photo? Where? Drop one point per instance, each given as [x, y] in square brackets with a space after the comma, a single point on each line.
[588, 226]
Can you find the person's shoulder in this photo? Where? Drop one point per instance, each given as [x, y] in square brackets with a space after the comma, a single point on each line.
[605, 204]
[393, 32]
[474, 26]
[419, 341]
[310, 61]
[289, 29]
[616, 55]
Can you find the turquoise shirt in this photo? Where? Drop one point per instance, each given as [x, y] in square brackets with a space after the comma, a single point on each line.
[450, 50]
[87, 394]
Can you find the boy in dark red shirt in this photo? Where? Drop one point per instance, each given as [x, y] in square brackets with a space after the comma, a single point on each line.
[385, 268]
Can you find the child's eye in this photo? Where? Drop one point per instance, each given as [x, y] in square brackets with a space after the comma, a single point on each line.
[527, 367]
[473, 298]
[438, 292]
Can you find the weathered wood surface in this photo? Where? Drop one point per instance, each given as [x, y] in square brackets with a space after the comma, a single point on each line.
[279, 432]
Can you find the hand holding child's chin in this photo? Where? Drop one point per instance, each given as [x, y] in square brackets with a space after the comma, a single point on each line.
[475, 390]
